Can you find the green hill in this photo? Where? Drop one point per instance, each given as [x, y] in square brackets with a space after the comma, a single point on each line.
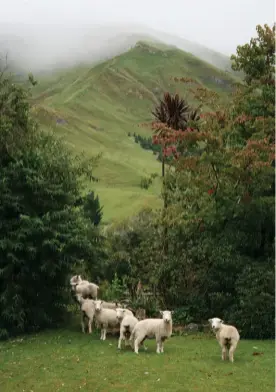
[95, 108]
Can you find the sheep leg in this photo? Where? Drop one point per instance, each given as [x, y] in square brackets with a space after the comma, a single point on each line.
[223, 353]
[104, 333]
[136, 345]
[83, 323]
[120, 341]
[90, 326]
[158, 344]
[162, 347]
[231, 351]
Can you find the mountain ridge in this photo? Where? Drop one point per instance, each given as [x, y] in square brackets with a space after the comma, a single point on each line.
[90, 45]
[97, 109]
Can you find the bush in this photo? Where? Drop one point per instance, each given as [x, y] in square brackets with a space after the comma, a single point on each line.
[254, 312]
[114, 291]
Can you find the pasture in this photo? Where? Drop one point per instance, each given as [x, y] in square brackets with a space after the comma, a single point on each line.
[67, 360]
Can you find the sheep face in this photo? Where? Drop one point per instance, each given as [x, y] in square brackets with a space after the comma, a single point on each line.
[166, 315]
[215, 323]
[120, 313]
[98, 305]
[75, 280]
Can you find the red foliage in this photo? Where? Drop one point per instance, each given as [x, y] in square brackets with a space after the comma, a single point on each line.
[211, 191]
[201, 227]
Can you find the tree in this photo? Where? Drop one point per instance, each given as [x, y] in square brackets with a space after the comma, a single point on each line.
[220, 215]
[43, 236]
[172, 111]
[257, 58]
[92, 208]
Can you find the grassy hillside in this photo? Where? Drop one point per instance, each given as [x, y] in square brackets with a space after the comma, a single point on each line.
[95, 108]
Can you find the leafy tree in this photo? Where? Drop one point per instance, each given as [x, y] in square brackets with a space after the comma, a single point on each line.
[92, 208]
[219, 215]
[43, 236]
[257, 58]
[221, 197]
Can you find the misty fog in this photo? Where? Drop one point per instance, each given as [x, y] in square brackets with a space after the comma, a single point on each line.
[39, 35]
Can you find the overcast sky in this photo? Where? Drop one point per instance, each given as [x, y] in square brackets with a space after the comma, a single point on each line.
[218, 24]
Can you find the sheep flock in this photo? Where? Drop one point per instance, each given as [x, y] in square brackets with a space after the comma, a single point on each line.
[134, 331]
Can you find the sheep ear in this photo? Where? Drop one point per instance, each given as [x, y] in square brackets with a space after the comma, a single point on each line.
[172, 312]
[210, 320]
[161, 312]
[221, 321]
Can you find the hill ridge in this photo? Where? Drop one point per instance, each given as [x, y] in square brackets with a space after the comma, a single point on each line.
[96, 108]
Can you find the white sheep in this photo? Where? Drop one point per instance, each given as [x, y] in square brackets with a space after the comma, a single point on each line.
[83, 287]
[122, 312]
[160, 328]
[227, 336]
[105, 318]
[88, 310]
[110, 305]
[127, 325]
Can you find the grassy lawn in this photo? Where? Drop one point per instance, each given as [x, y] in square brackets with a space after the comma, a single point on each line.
[70, 361]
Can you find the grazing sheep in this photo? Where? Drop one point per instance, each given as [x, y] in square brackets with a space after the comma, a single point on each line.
[121, 313]
[127, 325]
[227, 336]
[105, 318]
[83, 287]
[160, 328]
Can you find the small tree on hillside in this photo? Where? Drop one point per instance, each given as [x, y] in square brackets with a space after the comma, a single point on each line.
[92, 208]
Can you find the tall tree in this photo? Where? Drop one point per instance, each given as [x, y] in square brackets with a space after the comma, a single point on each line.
[222, 207]
[43, 236]
[92, 208]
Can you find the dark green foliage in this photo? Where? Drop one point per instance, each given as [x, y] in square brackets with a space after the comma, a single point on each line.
[43, 236]
[92, 208]
[147, 144]
[147, 181]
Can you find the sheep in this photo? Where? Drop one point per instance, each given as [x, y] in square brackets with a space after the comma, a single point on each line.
[127, 325]
[160, 328]
[227, 336]
[121, 313]
[105, 318]
[87, 312]
[87, 307]
[83, 287]
[110, 305]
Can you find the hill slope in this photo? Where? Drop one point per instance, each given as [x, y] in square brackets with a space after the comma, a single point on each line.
[95, 108]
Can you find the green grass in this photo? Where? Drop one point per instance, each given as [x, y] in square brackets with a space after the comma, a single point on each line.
[102, 104]
[70, 361]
